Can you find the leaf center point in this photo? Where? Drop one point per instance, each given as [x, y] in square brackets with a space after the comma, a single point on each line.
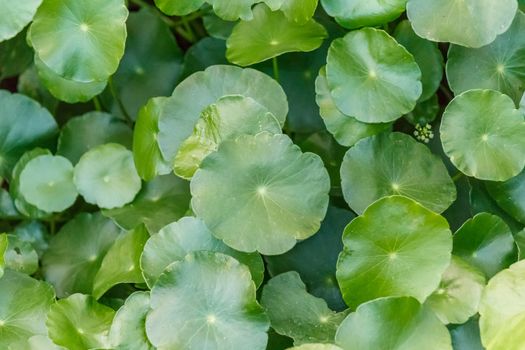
[211, 319]
[262, 191]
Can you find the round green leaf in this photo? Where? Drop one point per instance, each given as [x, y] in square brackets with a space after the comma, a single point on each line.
[161, 201]
[205, 53]
[297, 73]
[20, 256]
[230, 116]
[481, 201]
[121, 264]
[217, 27]
[296, 313]
[332, 153]
[396, 248]
[232, 10]
[345, 129]
[209, 298]
[67, 90]
[92, 129]
[35, 233]
[299, 11]
[15, 15]
[282, 191]
[510, 196]
[427, 56]
[24, 302]
[15, 56]
[316, 347]
[14, 187]
[31, 85]
[7, 206]
[81, 40]
[466, 336]
[502, 310]
[497, 66]
[187, 235]
[471, 23]
[47, 183]
[481, 128]
[394, 324]
[79, 322]
[315, 258]
[395, 164]
[180, 7]
[363, 13]
[246, 46]
[459, 292]
[76, 253]
[485, 241]
[128, 328]
[106, 176]
[149, 67]
[371, 77]
[41, 342]
[146, 152]
[183, 109]
[18, 135]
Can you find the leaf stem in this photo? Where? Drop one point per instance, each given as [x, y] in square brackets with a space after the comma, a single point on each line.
[52, 226]
[192, 16]
[119, 102]
[275, 68]
[189, 30]
[446, 92]
[183, 34]
[458, 176]
[96, 103]
[186, 33]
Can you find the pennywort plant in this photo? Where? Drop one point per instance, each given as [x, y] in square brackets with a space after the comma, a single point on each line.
[262, 174]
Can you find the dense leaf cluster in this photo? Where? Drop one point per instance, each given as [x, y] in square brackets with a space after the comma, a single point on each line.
[262, 174]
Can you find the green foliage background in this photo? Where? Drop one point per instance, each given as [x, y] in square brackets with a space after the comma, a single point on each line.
[262, 174]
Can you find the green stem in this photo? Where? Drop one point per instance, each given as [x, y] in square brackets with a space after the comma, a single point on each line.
[446, 92]
[119, 102]
[162, 16]
[275, 68]
[168, 20]
[189, 18]
[52, 226]
[199, 29]
[188, 30]
[183, 34]
[458, 176]
[96, 103]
